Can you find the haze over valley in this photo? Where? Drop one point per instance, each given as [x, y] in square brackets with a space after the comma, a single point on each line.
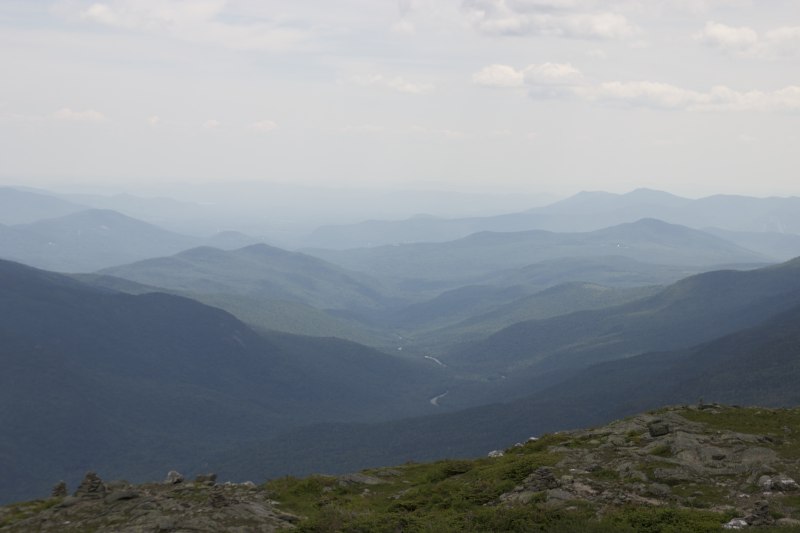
[149, 338]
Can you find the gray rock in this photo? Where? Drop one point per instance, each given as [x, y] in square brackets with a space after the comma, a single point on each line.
[735, 523]
[784, 483]
[540, 479]
[559, 495]
[659, 490]
[173, 478]
[363, 479]
[68, 501]
[206, 478]
[165, 524]
[781, 483]
[658, 428]
[674, 475]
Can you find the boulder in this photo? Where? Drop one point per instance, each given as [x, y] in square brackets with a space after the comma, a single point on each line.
[735, 523]
[781, 483]
[784, 483]
[658, 428]
[173, 478]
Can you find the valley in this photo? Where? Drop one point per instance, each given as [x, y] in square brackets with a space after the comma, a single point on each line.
[424, 351]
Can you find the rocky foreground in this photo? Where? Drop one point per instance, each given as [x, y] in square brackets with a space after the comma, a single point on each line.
[699, 468]
[173, 505]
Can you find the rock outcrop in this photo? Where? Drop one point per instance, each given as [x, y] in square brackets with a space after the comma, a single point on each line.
[121, 507]
[666, 458]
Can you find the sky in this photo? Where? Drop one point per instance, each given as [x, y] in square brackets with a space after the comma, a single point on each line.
[690, 96]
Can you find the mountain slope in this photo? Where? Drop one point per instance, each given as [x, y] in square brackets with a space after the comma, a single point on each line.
[98, 378]
[258, 271]
[690, 311]
[88, 240]
[559, 300]
[756, 366]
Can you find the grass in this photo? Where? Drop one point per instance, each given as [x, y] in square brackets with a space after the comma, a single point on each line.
[20, 511]
[772, 424]
[464, 496]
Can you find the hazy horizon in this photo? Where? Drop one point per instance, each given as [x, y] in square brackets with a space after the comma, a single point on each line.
[510, 96]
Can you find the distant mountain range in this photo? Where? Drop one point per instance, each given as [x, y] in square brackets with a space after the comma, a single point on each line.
[586, 211]
[90, 239]
[23, 207]
[166, 350]
[477, 256]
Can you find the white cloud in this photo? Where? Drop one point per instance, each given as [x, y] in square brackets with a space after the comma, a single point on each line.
[395, 83]
[667, 96]
[154, 120]
[199, 21]
[549, 80]
[547, 75]
[211, 124]
[88, 115]
[499, 76]
[552, 74]
[571, 19]
[641, 93]
[718, 35]
[263, 126]
[782, 41]
[746, 41]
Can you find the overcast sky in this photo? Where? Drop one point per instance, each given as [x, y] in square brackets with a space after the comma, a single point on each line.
[690, 96]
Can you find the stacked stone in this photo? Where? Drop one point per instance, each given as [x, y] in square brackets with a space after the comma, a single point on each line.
[91, 487]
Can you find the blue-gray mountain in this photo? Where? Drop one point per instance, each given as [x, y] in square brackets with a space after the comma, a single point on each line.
[586, 211]
[134, 385]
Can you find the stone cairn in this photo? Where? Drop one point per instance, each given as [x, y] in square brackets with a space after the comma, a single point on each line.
[59, 490]
[91, 487]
